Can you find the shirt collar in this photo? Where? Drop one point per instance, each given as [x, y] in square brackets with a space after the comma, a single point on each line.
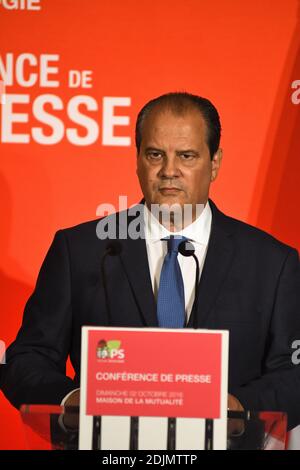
[198, 231]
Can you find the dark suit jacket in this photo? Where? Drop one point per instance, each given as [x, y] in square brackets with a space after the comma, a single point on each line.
[250, 285]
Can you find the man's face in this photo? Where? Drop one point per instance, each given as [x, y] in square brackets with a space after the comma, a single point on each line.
[174, 164]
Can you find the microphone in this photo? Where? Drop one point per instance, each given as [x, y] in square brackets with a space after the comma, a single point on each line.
[113, 248]
[186, 248]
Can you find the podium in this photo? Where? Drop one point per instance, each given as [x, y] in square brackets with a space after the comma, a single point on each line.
[45, 429]
[152, 389]
[174, 380]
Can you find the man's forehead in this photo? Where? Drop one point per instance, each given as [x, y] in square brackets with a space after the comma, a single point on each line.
[160, 121]
[161, 113]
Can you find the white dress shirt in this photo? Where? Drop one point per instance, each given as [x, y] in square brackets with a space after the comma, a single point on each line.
[197, 232]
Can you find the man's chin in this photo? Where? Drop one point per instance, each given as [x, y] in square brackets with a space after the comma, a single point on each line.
[169, 200]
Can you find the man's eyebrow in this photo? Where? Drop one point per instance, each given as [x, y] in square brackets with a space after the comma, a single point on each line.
[188, 151]
[154, 149]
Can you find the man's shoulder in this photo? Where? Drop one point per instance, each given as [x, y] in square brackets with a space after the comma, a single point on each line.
[85, 228]
[248, 234]
[89, 230]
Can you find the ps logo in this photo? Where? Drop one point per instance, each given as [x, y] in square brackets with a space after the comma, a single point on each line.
[21, 4]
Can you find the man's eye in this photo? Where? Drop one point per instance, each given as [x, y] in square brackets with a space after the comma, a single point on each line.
[187, 156]
[154, 155]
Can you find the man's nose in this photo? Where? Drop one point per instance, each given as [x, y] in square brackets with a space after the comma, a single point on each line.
[170, 168]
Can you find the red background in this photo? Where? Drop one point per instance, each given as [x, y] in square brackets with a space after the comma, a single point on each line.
[244, 56]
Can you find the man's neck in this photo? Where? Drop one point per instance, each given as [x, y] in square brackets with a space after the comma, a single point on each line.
[176, 220]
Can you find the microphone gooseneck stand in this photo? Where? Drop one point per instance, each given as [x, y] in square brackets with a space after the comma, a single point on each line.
[186, 248]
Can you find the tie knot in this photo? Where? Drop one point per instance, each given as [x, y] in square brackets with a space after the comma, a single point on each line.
[174, 242]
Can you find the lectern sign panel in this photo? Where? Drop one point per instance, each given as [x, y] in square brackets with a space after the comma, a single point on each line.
[154, 372]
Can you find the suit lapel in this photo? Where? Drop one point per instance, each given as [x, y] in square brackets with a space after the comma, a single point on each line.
[217, 263]
[135, 262]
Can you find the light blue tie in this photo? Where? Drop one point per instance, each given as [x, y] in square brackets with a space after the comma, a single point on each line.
[170, 299]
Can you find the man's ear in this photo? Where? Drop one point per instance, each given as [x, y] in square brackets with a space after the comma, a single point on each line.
[216, 163]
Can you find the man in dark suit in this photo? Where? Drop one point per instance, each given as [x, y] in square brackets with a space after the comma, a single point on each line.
[249, 281]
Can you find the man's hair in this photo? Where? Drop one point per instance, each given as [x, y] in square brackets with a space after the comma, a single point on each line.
[179, 103]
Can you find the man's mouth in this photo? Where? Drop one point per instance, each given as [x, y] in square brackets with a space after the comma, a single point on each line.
[168, 189]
